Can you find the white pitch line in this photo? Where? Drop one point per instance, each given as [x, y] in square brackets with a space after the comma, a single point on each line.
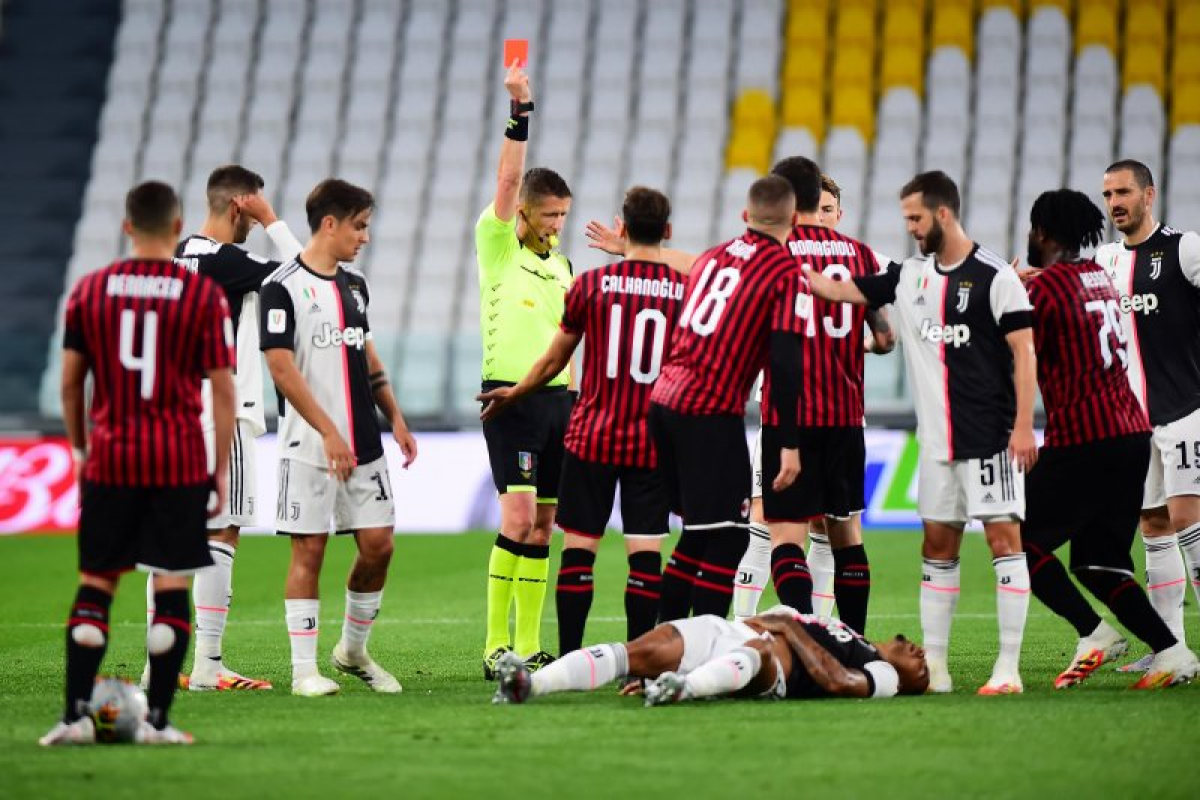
[250, 623]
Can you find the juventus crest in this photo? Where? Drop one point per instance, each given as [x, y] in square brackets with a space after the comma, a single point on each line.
[964, 295]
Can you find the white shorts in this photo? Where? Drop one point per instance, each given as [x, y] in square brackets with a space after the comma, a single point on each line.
[709, 636]
[1174, 461]
[241, 478]
[986, 489]
[311, 501]
[756, 466]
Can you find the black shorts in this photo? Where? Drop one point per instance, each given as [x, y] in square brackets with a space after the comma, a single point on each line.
[589, 489]
[1089, 495]
[525, 442]
[831, 481]
[705, 466]
[162, 529]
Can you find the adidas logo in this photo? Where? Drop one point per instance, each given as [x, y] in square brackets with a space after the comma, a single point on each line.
[316, 309]
[987, 498]
[920, 301]
[1197, 480]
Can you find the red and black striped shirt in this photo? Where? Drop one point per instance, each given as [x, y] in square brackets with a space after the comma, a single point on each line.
[1081, 356]
[626, 313]
[149, 331]
[831, 391]
[737, 293]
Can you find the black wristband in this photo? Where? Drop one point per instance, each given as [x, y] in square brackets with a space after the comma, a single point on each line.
[516, 107]
[517, 128]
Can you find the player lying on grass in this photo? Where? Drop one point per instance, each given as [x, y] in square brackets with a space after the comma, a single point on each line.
[780, 654]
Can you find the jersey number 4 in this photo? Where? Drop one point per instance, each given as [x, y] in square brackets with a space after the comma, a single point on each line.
[649, 324]
[145, 364]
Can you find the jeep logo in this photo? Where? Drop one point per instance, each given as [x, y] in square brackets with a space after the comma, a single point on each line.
[1139, 303]
[329, 336]
[953, 335]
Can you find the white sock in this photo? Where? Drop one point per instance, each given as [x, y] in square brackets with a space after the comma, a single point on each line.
[724, 674]
[1012, 606]
[820, 564]
[753, 572]
[582, 670]
[1165, 580]
[303, 622]
[1189, 543]
[361, 610]
[212, 593]
[149, 601]
[939, 597]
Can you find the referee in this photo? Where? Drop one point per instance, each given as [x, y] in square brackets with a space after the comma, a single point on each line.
[523, 281]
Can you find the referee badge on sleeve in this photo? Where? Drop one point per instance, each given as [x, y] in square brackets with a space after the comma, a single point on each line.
[525, 463]
[276, 320]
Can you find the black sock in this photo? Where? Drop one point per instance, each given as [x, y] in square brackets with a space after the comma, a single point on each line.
[852, 585]
[712, 592]
[791, 576]
[87, 639]
[1052, 585]
[573, 597]
[642, 593]
[1130, 605]
[172, 611]
[679, 575]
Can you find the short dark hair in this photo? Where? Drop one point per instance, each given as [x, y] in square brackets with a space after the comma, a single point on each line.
[828, 184]
[805, 178]
[336, 198]
[540, 182]
[770, 201]
[937, 190]
[228, 182]
[646, 212]
[1141, 173]
[152, 207]
[1069, 218]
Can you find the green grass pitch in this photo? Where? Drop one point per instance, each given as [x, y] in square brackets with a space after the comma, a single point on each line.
[443, 738]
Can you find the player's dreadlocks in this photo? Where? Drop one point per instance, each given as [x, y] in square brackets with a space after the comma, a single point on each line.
[1069, 218]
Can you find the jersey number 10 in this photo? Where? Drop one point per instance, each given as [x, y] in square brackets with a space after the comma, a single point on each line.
[638, 369]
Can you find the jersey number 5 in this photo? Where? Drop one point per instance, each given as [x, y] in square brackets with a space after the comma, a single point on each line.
[147, 362]
[706, 305]
[638, 369]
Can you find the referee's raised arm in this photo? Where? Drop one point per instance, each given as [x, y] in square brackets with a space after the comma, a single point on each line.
[512, 150]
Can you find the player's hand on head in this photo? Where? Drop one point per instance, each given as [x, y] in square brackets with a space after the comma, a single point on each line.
[341, 460]
[257, 207]
[517, 83]
[601, 237]
[789, 468]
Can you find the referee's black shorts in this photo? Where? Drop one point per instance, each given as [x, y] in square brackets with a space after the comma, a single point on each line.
[525, 442]
[589, 489]
[705, 465]
[162, 529]
[831, 480]
[1089, 495]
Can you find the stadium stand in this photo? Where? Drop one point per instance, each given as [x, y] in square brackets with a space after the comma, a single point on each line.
[1009, 97]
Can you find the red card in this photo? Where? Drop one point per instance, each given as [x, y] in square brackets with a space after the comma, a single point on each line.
[516, 50]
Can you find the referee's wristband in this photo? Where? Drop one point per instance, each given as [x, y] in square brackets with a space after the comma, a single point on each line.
[517, 128]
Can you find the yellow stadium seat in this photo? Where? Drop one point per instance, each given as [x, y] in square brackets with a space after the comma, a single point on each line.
[1065, 5]
[1147, 25]
[1186, 67]
[938, 5]
[954, 26]
[807, 5]
[804, 66]
[853, 66]
[749, 148]
[902, 67]
[868, 5]
[855, 27]
[1016, 6]
[1185, 31]
[855, 107]
[1144, 64]
[1185, 106]
[1097, 24]
[754, 108]
[807, 24]
[912, 8]
[804, 107]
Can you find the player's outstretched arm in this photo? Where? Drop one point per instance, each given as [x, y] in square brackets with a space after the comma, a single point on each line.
[224, 409]
[512, 149]
[1022, 445]
[385, 399]
[602, 237]
[552, 362]
[74, 377]
[282, 364]
[835, 291]
[825, 670]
